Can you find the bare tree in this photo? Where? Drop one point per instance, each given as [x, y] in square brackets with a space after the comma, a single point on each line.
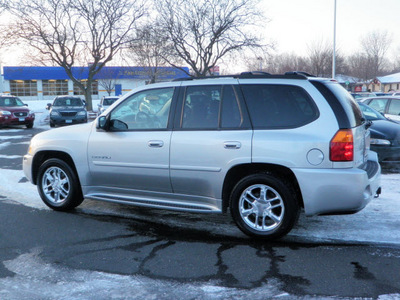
[375, 45]
[68, 32]
[149, 49]
[320, 58]
[201, 32]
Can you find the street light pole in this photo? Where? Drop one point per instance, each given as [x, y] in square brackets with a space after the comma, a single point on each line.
[334, 42]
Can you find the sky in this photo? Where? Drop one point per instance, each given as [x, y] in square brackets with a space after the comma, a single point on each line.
[295, 24]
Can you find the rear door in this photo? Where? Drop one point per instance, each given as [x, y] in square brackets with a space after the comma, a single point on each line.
[212, 133]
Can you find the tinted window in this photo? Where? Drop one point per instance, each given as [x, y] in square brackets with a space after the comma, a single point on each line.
[394, 107]
[232, 116]
[345, 108]
[279, 106]
[144, 110]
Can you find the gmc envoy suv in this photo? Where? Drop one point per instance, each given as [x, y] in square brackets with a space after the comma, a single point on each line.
[264, 147]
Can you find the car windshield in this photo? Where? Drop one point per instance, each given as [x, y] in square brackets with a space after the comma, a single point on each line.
[370, 113]
[10, 101]
[68, 102]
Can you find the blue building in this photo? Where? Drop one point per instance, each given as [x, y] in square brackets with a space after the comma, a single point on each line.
[44, 83]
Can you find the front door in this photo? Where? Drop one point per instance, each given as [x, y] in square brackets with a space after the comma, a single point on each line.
[133, 156]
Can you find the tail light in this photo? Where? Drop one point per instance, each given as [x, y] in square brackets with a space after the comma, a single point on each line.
[342, 146]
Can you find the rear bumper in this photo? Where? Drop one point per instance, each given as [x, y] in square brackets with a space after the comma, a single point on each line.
[339, 191]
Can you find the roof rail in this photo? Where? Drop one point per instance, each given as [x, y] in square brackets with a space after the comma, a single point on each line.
[300, 73]
[253, 74]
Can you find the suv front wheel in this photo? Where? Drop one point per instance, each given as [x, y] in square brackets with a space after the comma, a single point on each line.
[58, 185]
[264, 206]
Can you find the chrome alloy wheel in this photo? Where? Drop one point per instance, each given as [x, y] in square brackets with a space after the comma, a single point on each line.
[261, 207]
[55, 185]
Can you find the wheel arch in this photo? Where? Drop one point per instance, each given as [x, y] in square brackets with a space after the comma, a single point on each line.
[236, 173]
[42, 156]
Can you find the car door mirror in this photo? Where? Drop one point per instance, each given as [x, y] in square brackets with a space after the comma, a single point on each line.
[48, 106]
[102, 123]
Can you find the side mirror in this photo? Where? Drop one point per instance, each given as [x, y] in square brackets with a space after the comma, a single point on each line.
[48, 106]
[102, 123]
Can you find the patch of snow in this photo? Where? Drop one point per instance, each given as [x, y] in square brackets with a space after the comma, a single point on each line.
[378, 223]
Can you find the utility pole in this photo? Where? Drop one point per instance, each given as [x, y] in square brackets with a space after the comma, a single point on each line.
[334, 42]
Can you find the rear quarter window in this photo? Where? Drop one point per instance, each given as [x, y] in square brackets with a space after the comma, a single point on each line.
[345, 108]
[273, 106]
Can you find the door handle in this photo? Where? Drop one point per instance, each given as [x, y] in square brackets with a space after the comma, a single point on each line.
[232, 145]
[155, 144]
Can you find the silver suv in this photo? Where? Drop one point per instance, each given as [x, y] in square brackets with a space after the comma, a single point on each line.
[263, 146]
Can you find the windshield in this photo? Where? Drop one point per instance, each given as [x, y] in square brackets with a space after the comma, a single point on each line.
[370, 113]
[68, 102]
[10, 101]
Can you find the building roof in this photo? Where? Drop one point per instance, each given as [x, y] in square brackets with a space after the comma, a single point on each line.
[58, 73]
[392, 78]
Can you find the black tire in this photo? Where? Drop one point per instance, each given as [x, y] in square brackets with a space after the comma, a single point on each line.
[58, 185]
[52, 124]
[270, 202]
[29, 126]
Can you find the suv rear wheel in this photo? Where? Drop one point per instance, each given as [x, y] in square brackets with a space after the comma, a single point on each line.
[264, 206]
[58, 185]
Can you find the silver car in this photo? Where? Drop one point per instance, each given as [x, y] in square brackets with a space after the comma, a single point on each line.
[263, 146]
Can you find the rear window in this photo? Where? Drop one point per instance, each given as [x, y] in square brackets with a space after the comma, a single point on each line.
[279, 106]
[346, 110]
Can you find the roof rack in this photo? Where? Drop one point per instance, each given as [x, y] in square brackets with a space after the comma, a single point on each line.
[299, 73]
[253, 74]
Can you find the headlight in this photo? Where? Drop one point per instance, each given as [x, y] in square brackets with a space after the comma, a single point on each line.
[380, 142]
[82, 113]
[5, 113]
[54, 113]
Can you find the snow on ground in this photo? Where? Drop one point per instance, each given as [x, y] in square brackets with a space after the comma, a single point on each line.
[378, 223]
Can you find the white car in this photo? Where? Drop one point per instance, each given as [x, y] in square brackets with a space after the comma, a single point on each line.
[105, 102]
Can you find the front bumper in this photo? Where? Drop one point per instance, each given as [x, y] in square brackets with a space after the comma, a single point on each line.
[27, 167]
[12, 120]
[387, 153]
[68, 120]
[339, 191]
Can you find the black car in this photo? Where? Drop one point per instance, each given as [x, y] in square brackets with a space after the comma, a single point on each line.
[385, 135]
[67, 110]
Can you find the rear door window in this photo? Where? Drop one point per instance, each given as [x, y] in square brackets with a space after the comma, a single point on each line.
[378, 104]
[279, 106]
[394, 107]
[212, 107]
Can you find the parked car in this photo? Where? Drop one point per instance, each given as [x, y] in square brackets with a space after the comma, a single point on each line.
[263, 146]
[106, 102]
[388, 106]
[14, 112]
[67, 110]
[359, 95]
[385, 135]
